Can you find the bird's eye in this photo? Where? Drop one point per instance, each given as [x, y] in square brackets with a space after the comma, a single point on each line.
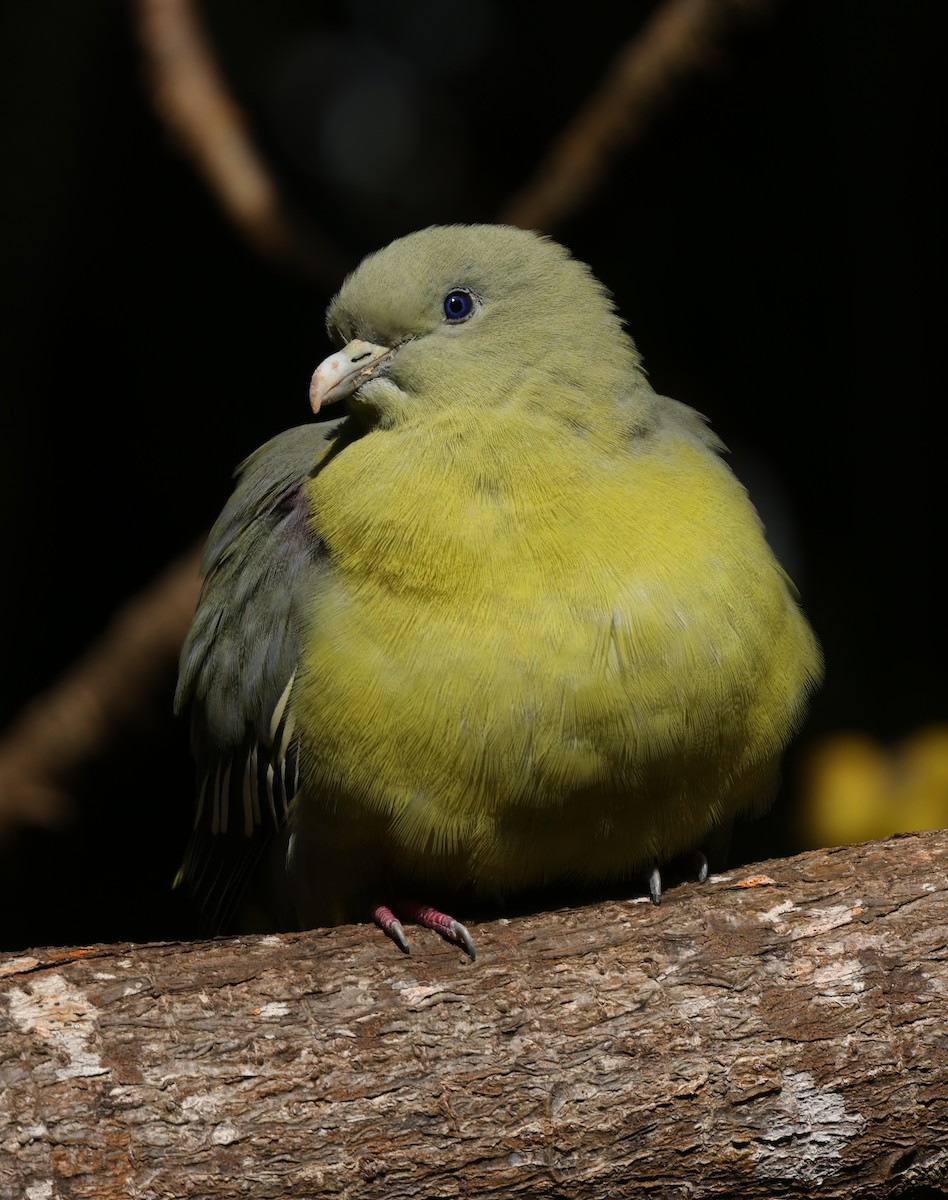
[458, 305]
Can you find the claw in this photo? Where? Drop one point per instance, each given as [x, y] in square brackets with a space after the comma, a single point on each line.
[701, 862]
[461, 937]
[655, 886]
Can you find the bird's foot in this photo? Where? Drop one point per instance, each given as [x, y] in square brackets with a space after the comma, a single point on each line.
[655, 876]
[421, 914]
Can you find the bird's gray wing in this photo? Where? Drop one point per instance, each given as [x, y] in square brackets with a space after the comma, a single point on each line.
[238, 665]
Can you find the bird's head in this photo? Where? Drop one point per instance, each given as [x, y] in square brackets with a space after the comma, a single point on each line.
[471, 315]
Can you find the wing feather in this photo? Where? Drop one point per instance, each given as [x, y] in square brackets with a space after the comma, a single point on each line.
[238, 667]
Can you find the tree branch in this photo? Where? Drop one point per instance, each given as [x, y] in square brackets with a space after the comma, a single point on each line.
[681, 40]
[80, 717]
[777, 1031]
[193, 100]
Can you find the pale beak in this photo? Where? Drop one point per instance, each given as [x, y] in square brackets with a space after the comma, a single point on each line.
[342, 373]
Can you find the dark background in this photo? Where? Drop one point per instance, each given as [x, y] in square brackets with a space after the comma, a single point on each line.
[774, 244]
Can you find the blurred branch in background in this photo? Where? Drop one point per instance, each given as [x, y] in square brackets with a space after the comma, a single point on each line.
[856, 789]
[80, 717]
[682, 39]
[191, 97]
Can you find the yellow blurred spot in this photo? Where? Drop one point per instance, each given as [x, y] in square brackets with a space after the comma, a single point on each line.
[855, 789]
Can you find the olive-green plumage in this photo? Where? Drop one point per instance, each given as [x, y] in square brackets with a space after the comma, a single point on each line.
[511, 621]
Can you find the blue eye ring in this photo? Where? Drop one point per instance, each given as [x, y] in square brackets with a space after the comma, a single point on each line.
[458, 305]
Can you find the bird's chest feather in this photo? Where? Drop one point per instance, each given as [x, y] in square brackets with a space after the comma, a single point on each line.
[499, 632]
[526, 548]
[495, 557]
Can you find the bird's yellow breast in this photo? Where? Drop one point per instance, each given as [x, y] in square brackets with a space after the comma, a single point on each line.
[537, 653]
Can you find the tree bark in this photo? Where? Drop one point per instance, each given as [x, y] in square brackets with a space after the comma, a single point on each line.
[779, 1030]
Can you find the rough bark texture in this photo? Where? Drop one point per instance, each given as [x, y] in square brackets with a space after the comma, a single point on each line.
[782, 1030]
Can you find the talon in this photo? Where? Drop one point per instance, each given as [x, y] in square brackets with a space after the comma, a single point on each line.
[460, 935]
[397, 934]
[655, 886]
[701, 861]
